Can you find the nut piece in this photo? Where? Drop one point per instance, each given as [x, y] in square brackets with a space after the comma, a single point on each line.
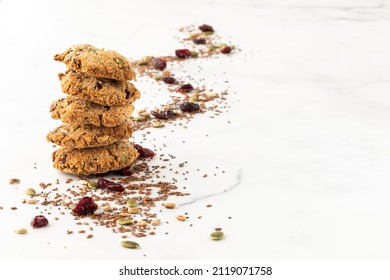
[181, 218]
[142, 223]
[14, 181]
[134, 210]
[83, 182]
[31, 201]
[155, 222]
[21, 231]
[170, 205]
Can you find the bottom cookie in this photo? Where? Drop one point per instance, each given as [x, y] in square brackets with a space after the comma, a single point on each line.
[99, 160]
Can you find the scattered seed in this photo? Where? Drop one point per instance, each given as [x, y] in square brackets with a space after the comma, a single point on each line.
[130, 244]
[218, 229]
[170, 205]
[217, 235]
[31, 201]
[157, 124]
[142, 223]
[14, 181]
[83, 182]
[124, 222]
[132, 202]
[21, 231]
[181, 218]
[31, 192]
[134, 210]
[92, 185]
[155, 222]
[89, 236]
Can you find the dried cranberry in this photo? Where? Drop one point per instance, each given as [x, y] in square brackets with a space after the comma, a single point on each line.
[109, 185]
[85, 206]
[127, 171]
[206, 28]
[226, 50]
[39, 221]
[144, 152]
[189, 107]
[199, 41]
[185, 88]
[162, 115]
[169, 80]
[159, 64]
[183, 53]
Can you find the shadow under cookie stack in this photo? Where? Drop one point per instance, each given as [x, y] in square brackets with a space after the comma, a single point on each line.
[96, 112]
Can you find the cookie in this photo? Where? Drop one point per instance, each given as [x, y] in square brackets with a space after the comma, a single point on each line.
[88, 136]
[76, 111]
[98, 90]
[97, 62]
[94, 160]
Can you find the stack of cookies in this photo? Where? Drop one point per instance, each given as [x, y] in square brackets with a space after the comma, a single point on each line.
[95, 133]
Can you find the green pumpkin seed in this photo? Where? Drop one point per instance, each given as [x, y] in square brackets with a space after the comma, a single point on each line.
[132, 202]
[157, 124]
[92, 185]
[31, 192]
[119, 61]
[130, 244]
[123, 159]
[217, 235]
[124, 222]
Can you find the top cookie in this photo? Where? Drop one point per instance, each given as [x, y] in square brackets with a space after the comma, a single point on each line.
[97, 62]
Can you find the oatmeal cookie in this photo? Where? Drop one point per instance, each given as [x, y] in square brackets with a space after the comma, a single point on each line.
[95, 160]
[88, 136]
[98, 90]
[97, 62]
[76, 111]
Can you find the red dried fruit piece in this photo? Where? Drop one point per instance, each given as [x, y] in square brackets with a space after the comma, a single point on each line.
[162, 115]
[144, 152]
[226, 50]
[127, 171]
[185, 88]
[85, 206]
[159, 64]
[189, 107]
[206, 28]
[183, 53]
[109, 185]
[39, 221]
[169, 80]
[200, 41]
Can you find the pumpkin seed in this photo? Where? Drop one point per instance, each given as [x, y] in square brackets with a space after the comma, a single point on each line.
[157, 124]
[132, 202]
[120, 61]
[31, 192]
[124, 222]
[130, 244]
[217, 235]
[139, 119]
[92, 185]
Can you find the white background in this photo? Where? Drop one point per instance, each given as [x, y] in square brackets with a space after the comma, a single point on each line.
[306, 152]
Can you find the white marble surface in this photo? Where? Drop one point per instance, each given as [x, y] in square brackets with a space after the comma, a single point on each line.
[306, 153]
